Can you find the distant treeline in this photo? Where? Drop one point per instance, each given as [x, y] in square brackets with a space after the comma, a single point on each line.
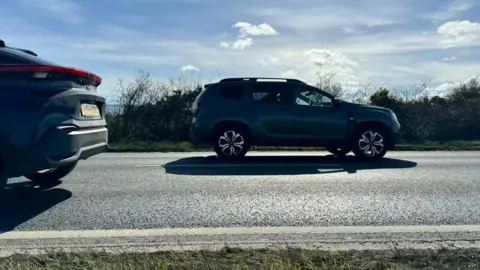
[148, 110]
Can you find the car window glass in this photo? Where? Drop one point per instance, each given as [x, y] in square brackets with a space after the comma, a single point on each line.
[233, 92]
[14, 56]
[271, 93]
[311, 97]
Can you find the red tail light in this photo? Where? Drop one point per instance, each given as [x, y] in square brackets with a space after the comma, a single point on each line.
[41, 71]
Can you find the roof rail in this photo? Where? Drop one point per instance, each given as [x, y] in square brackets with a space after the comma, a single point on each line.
[254, 79]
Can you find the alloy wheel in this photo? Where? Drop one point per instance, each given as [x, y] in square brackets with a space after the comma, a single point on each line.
[231, 143]
[371, 143]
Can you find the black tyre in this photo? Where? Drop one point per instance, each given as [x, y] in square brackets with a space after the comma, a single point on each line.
[370, 142]
[339, 152]
[52, 176]
[231, 142]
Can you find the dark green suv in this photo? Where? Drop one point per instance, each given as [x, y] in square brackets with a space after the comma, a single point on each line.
[237, 113]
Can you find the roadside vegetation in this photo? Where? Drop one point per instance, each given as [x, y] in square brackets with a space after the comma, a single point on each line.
[229, 258]
[150, 115]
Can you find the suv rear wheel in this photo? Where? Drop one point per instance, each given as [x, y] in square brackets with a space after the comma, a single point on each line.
[231, 142]
[370, 143]
[52, 176]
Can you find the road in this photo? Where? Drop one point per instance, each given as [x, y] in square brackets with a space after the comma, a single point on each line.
[190, 190]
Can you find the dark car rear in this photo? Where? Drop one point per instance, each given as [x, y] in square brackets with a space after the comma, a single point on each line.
[51, 116]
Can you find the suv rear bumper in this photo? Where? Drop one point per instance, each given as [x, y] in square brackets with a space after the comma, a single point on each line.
[57, 148]
[199, 134]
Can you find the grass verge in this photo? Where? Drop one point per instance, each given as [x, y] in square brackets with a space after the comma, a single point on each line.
[166, 146]
[229, 258]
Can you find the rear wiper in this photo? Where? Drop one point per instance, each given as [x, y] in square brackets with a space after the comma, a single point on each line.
[25, 51]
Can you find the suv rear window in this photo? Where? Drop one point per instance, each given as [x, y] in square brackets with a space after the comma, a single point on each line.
[233, 92]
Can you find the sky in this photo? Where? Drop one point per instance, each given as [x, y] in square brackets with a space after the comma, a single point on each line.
[357, 41]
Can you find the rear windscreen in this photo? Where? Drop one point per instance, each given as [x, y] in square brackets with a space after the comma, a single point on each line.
[13, 56]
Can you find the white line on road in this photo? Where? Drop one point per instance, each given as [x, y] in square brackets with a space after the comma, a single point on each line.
[72, 234]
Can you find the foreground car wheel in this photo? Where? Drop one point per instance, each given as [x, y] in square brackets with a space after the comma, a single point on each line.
[370, 143]
[52, 176]
[231, 142]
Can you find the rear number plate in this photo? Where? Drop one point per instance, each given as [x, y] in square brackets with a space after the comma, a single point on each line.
[90, 110]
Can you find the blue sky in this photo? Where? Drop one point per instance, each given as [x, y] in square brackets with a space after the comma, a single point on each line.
[362, 41]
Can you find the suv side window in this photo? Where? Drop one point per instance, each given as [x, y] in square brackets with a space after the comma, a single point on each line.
[271, 93]
[232, 92]
[307, 96]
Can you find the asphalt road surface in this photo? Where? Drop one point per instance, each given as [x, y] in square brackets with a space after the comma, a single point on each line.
[188, 190]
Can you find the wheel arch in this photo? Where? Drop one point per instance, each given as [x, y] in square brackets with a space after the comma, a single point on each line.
[225, 123]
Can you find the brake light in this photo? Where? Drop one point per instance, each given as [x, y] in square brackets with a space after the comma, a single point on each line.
[42, 71]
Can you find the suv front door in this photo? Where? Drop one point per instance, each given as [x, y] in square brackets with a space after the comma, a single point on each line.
[273, 120]
[316, 112]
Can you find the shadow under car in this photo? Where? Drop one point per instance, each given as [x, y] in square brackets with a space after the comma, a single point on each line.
[280, 165]
[23, 201]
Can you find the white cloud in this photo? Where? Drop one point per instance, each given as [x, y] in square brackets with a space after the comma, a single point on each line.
[307, 65]
[459, 32]
[451, 70]
[453, 58]
[239, 44]
[365, 41]
[189, 67]
[270, 60]
[453, 9]
[289, 73]
[65, 10]
[445, 88]
[247, 29]
[310, 17]
[352, 30]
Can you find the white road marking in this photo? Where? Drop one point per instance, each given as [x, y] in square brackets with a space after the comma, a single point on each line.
[73, 234]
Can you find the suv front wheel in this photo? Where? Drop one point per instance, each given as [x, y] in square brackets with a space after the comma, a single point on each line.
[370, 143]
[231, 142]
